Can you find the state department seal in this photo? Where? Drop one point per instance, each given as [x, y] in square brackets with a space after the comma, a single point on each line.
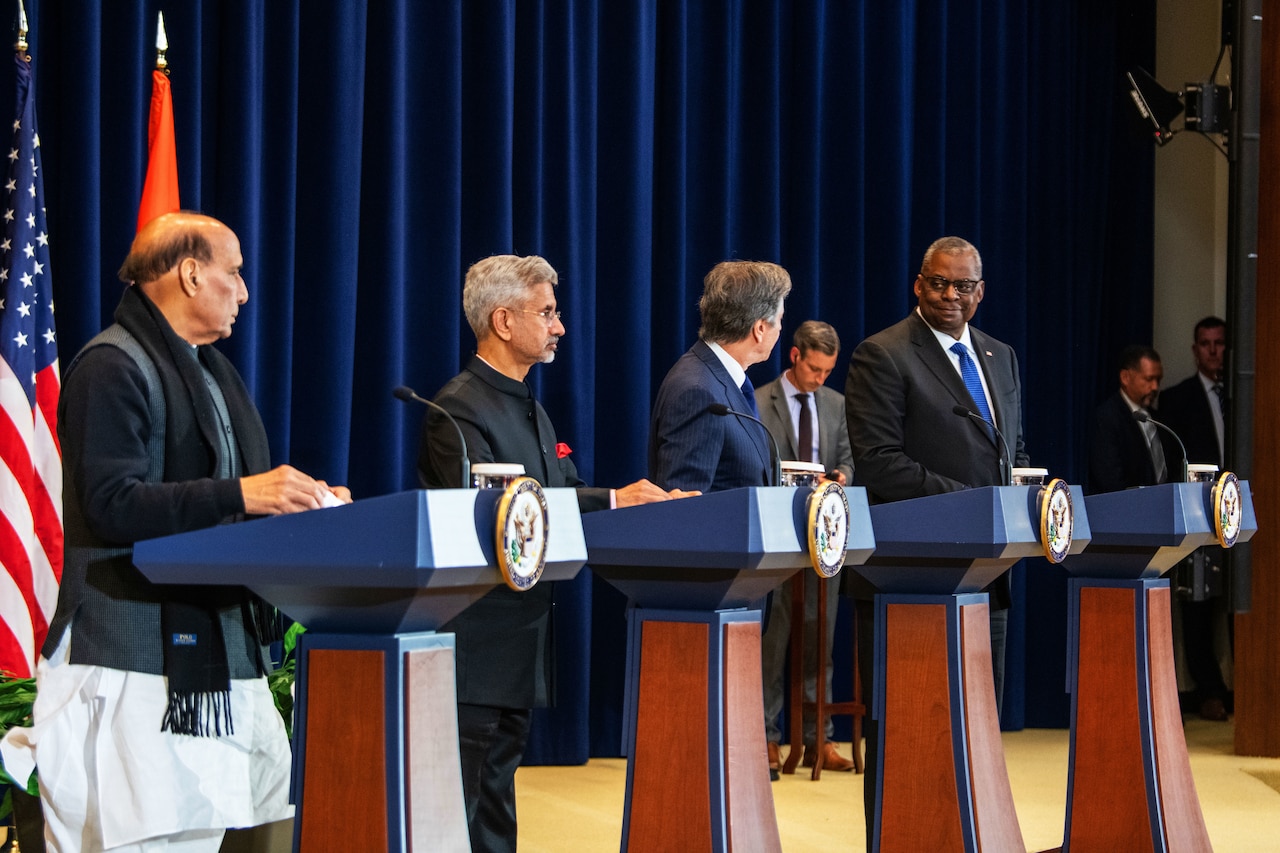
[1228, 509]
[828, 528]
[1057, 520]
[522, 530]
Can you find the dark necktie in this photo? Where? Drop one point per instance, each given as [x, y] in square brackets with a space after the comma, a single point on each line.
[749, 391]
[1221, 390]
[973, 383]
[804, 447]
[1158, 461]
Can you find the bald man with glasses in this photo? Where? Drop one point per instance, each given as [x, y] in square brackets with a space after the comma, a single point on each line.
[901, 392]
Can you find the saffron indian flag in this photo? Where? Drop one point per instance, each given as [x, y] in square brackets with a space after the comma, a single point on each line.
[30, 458]
[160, 190]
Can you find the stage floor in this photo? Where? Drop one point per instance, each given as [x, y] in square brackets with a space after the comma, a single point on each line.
[569, 809]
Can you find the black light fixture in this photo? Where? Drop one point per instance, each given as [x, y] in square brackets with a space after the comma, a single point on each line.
[1156, 104]
[1207, 105]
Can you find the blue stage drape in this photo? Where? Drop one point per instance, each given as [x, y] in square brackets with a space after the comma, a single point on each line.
[368, 152]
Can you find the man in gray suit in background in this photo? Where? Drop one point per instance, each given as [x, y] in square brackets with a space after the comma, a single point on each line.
[807, 420]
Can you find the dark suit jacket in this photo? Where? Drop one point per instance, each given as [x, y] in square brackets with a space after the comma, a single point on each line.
[906, 440]
[833, 434]
[1118, 454]
[690, 448]
[111, 499]
[503, 640]
[1184, 408]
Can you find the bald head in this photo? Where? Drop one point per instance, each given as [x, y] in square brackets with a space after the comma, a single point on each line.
[165, 241]
[189, 264]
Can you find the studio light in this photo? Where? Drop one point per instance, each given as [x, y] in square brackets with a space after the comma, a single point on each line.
[1207, 105]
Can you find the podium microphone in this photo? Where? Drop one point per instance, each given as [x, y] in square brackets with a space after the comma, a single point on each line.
[404, 392]
[1143, 418]
[721, 410]
[1006, 461]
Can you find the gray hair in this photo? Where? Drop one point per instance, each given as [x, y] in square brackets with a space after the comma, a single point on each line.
[816, 335]
[950, 246]
[498, 281]
[735, 294]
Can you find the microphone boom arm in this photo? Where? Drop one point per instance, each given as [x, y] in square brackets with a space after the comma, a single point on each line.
[721, 410]
[404, 392]
[1006, 462]
[1143, 418]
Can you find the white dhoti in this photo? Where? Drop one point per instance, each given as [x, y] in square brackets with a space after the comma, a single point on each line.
[110, 778]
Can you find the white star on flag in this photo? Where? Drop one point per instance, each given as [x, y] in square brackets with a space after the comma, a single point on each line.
[30, 461]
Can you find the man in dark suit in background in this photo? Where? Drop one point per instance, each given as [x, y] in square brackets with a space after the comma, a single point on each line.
[900, 395]
[806, 418]
[1124, 453]
[1195, 409]
[689, 447]
[504, 654]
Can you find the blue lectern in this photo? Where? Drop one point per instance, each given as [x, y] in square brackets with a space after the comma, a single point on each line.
[941, 781]
[1130, 785]
[376, 739]
[693, 568]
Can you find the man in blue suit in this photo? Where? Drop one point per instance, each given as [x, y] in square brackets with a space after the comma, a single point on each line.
[691, 448]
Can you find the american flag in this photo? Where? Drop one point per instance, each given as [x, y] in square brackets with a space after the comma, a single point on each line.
[30, 458]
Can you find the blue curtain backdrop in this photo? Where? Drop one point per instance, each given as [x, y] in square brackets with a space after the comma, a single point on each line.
[367, 153]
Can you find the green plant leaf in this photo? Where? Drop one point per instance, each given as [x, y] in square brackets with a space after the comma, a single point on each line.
[291, 638]
[281, 680]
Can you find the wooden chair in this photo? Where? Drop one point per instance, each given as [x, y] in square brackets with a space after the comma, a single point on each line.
[822, 709]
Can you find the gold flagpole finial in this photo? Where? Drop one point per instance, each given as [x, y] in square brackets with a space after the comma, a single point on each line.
[162, 44]
[21, 45]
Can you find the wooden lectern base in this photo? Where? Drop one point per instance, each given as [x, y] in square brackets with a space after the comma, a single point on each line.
[376, 744]
[942, 782]
[821, 709]
[1130, 786]
[698, 769]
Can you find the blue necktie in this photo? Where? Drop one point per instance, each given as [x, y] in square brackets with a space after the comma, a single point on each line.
[749, 391]
[973, 382]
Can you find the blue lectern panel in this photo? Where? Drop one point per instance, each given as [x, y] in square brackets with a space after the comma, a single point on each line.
[959, 542]
[719, 550]
[994, 522]
[403, 562]
[738, 529]
[862, 536]
[1141, 533]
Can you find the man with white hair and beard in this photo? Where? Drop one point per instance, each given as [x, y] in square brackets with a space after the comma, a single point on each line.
[504, 654]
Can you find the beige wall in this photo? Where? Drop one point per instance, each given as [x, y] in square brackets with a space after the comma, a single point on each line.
[1190, 190]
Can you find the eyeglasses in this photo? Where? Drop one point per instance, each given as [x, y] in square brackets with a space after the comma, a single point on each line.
[962, 285]
[549, 317]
